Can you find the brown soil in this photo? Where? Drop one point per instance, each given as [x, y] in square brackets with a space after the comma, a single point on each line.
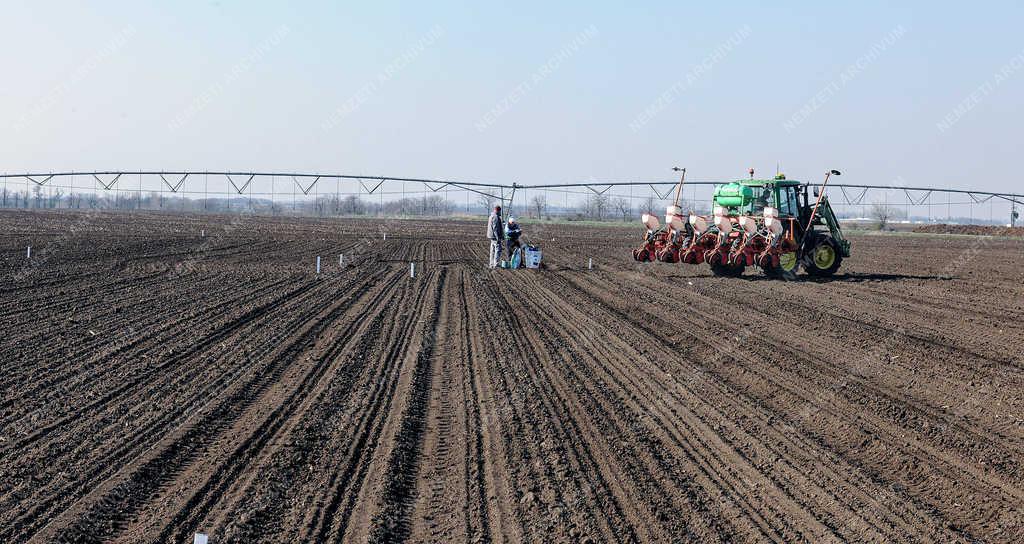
[979, 230]
[157, 383]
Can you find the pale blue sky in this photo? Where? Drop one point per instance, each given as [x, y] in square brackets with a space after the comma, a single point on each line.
[258, 86]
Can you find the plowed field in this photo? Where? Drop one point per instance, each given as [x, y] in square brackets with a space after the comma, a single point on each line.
[164, 375]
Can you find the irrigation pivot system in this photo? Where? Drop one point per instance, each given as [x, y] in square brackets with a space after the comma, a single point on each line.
[275, 186]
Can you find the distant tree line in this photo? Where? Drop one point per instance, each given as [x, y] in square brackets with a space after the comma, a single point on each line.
[56, 198]
[594, 207]
[39, 197]
[352, 205]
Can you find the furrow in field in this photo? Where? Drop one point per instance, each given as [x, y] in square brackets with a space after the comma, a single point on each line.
[354, 505]
[830, 416]
[201, 494]
[494, 417]
[392, 519]
[447, 506]
[625, 401]
[76, 464]
[87, 371]
[558, 465]
[176, 447]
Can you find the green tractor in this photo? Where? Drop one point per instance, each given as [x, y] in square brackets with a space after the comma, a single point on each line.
[773, 224]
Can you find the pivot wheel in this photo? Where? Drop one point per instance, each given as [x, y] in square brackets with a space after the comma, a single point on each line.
[787, 267]
[824, 257]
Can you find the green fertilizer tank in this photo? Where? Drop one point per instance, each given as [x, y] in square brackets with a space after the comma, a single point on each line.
[733, 195]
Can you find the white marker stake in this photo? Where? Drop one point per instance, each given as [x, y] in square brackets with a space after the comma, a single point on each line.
[341, 260]
[385, 237]
[317, 264]
[412, 270]
[28, 252]
[590, 264]
[202, 233]
[200, 539]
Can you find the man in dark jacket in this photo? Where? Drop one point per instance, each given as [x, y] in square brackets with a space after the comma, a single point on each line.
[495, 233]
[512, 234]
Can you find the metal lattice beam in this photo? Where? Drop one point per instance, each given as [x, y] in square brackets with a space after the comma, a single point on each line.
[375, 187]
[246, 184]
[858, 200]
[305, 190]
[106, 186]
[435, 185]
[917, 202]
[37, 182]
[174, 188]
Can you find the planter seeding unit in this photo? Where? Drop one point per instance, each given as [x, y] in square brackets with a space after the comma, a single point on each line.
[771, 224]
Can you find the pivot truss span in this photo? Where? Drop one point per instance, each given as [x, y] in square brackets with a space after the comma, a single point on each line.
[305, 184]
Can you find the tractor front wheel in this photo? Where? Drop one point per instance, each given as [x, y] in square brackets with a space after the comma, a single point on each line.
[824, 257]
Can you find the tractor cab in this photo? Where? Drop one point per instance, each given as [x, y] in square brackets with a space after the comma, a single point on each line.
[752, 196]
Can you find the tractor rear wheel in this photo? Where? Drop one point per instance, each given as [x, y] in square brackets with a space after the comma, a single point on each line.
[823, 258]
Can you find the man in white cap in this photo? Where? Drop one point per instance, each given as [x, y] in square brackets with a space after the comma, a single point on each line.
[512, 233]
[496, 234]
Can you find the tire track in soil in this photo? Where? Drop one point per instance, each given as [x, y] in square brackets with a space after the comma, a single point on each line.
[113, 292]
[356, 498]
[57, 339]
[143, 345]
[46, 285]
[298, 323]
[562, 452]
[872, 322]
[477, 495]
[494, 480]
[927, 393]
[862, 330]
[332, 510]
[443, 509]
[951, 302]
[97, 302]
[330, 517]
[391, 522]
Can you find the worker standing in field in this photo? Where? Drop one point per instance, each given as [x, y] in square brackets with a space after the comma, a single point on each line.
[496, 234]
